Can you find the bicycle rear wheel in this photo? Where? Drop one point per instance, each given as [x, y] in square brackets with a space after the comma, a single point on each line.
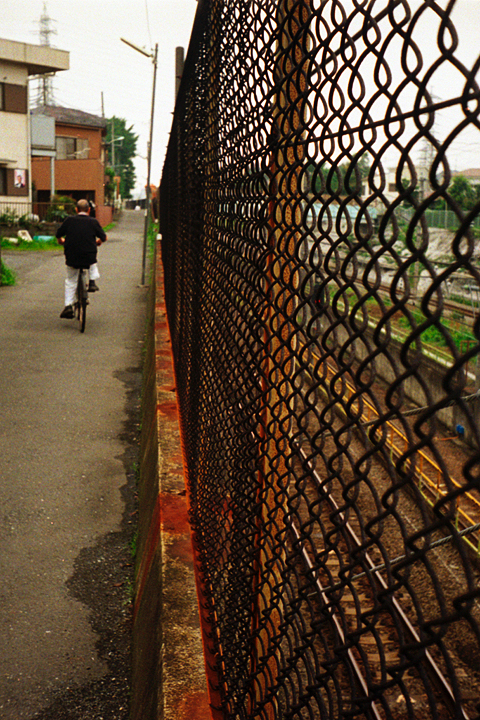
[81, 303]
[83, 314]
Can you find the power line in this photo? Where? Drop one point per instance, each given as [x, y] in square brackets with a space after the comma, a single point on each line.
[148, 24]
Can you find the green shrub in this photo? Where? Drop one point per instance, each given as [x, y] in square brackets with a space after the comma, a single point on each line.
[60, 208]
[7, 276]
[9, 218]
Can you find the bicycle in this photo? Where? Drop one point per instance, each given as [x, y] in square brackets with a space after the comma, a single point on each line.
[81, 301]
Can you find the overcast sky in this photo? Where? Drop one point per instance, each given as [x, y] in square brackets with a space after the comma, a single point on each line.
[99, 62]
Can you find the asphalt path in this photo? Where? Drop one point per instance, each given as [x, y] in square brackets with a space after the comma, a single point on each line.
[63, 412]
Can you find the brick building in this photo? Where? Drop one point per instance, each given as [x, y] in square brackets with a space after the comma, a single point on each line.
[79, 167]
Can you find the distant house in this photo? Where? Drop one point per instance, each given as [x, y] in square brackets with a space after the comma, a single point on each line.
[18, 61]
[79, 167]
[472, 174]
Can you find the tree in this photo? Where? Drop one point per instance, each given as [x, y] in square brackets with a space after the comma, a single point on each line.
[122, 156]
[110, 185]
[463, 192]
[349, 176]
[413, 196]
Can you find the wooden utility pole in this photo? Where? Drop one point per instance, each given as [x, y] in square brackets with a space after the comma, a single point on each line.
[179, 63]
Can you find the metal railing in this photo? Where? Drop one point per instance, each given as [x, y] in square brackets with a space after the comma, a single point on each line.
[35, 215]
[305, 290]
[13, 213]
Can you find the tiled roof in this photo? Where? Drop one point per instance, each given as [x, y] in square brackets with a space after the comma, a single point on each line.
[473, 173]
[69, 116]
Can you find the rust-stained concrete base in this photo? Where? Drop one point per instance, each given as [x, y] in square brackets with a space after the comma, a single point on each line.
[168, 665]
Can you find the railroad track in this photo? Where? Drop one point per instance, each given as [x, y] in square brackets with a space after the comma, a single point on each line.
[430, 478]
[450, 305]
[465, 309]
[373, 633]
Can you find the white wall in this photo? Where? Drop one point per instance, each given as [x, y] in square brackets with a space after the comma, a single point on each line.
[14, 129]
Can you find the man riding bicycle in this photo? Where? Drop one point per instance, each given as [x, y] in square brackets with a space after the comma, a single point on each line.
[80, 235]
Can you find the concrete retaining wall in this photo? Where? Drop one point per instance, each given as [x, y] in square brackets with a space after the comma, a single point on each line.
[169, 681]
[168, 664]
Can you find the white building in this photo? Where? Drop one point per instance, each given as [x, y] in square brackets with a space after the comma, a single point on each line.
[18, 61]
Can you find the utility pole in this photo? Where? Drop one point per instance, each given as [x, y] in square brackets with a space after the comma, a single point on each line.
[148, 191]
[179, 63]
[113, 144]
[153, 56]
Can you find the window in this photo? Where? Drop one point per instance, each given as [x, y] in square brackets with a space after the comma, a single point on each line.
[3, 181]
[65, 148]
[69, 148]
[82, 148]
[13, 98]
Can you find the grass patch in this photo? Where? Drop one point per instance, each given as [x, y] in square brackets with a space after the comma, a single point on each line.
[34, 245]
[7, 276]
[433, 334]
[110, 226]
[133, 545]
[152, 236]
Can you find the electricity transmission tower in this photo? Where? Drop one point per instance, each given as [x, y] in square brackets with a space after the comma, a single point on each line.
[44, 94]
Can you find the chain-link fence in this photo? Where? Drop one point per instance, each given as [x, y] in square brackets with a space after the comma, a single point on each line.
[325, 339]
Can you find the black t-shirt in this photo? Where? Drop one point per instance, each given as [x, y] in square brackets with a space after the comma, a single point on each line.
[80, 233]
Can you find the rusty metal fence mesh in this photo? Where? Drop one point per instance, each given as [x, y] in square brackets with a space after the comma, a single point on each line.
[322, 268]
